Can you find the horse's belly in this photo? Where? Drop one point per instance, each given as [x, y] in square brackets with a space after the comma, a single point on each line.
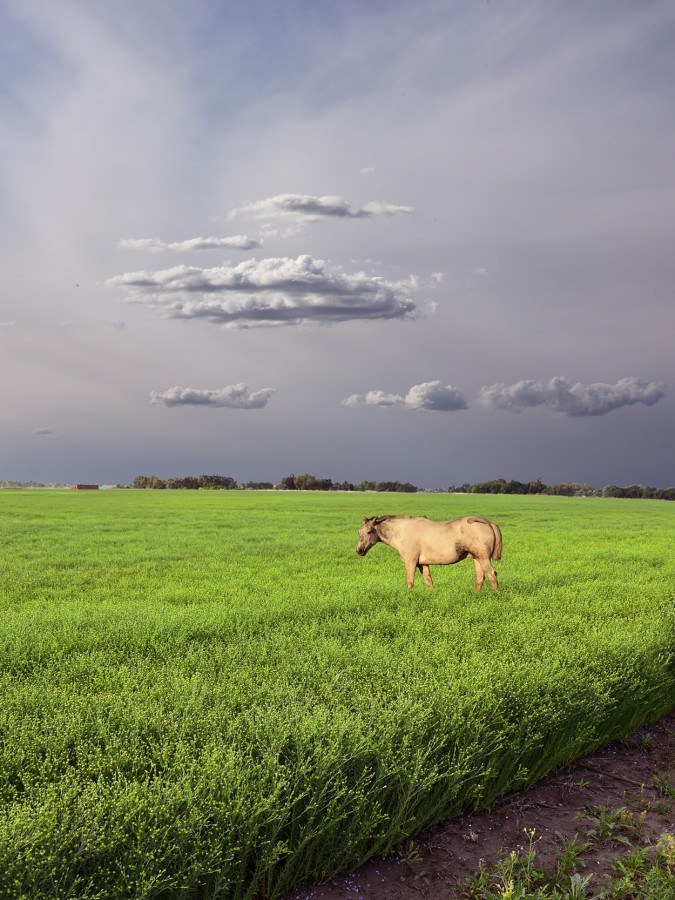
[440, 556]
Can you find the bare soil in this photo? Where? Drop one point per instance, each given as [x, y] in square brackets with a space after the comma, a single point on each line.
[620, 775]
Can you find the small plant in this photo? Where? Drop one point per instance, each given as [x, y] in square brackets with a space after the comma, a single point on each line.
[642, 874]
[628, 821]
[632, 864]
[569, 855]
[606, 823]
[666, 850]
[513, 876]
[409, 856]
[577, 887]
[663, 785]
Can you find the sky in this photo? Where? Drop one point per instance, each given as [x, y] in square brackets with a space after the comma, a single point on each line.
[428, 242]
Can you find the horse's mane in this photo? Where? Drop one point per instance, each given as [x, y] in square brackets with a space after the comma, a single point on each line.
[380, 519]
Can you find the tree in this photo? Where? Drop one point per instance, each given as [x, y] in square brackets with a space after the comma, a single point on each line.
[305, 482]
[309, 482]
[366, 486]
[498, 486]
[217, 482]
[343, 486]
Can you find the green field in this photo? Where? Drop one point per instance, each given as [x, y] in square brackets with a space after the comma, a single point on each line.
[209, 694]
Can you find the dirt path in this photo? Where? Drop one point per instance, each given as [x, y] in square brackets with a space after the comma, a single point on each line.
[621, 775]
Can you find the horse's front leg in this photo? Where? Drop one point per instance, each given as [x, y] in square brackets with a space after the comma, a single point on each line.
[410, 566]
[426, 574]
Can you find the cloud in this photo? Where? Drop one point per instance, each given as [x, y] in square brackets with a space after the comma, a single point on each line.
[431, 395]
[312, 208]
[155, 245]
[232, 396]
[43, 432]
[560, 396]
[274, 291]
[7, 324]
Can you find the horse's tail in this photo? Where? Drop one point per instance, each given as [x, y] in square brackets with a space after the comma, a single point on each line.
[497, 550]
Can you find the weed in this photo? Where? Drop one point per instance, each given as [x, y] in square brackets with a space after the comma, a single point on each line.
[613, 824]
[646, 741]
[666, 850]
[643, 874]
[663, 785]
[409, 856]
[568, 856]
[577, 887]
[631, 864]
[511, 876]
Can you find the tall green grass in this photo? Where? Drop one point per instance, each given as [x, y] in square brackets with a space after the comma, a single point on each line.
[209, 694]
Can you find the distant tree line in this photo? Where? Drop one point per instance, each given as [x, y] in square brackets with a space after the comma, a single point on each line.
[304, 482]
[564, 489]
[12, 483]
[189, 483]
[309, 482]
[639, 492]
[501, 486]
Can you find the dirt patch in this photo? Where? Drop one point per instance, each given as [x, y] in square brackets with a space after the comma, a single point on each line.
[630, 774]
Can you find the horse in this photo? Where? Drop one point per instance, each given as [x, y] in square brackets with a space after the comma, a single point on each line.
[422, 542]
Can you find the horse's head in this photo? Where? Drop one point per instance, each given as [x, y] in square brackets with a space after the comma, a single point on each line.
[368, 535]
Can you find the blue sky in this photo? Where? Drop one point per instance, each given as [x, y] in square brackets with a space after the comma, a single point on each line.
[429, 242]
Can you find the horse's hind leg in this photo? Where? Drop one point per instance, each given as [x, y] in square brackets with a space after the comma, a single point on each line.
[480, 575]
[426, 575]
[483, 567]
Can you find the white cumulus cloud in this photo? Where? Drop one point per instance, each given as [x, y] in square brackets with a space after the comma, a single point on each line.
[156, 245]
[275, 291]
[561, 396]
[312, 208]
[232, 396]
[431, 395]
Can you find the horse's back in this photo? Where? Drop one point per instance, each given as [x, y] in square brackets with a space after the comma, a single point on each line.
[444, 542]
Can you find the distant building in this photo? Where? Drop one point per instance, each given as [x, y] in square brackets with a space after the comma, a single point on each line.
[84, 487]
